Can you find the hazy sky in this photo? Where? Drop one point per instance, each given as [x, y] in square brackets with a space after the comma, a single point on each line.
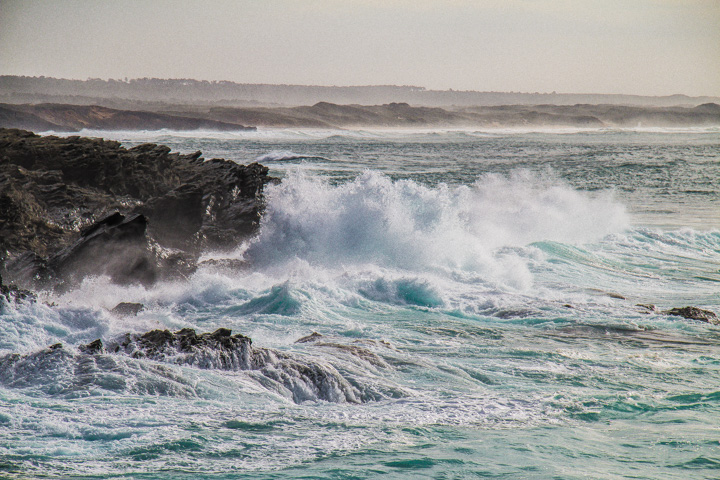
[653, 47]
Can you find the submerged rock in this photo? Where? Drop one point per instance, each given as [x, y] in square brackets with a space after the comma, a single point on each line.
[64, 372]
[694, 313]
[356, 351]
[309, 338]
[646, 307]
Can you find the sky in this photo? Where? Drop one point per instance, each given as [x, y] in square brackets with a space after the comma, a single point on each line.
[646, 47]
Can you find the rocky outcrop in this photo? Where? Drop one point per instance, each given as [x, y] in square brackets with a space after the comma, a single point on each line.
[689, 313]
[127, 309]
[293, 376]
[302, 378]
[11, 292]
[219, 349]
[694, 313]
[75, 206]
[131, 259]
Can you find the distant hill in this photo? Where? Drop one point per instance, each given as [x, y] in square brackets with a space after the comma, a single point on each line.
[56, 117]
[152, 93]
[63, 117]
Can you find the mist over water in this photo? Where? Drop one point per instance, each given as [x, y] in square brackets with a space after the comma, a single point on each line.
[477, 292]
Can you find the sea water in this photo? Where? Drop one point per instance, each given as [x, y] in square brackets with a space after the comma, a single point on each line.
[479, 289]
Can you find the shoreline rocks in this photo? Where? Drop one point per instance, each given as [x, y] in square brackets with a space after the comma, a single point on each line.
[292, 376]
[11, 292]
[694, 313]
[71, 207]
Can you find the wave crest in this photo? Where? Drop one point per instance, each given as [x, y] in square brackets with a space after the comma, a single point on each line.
[408, 225]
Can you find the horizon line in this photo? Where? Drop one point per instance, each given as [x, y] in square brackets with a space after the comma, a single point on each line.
[419, 88]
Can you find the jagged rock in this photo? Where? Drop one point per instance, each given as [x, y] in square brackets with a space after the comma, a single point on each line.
[606, 293]
[56, 194]
[694, 313]
[177, 217]
[127, 309]
[219, 349]
[300, 378]
[93, 347]
[115, 246]
[11, 292]
[105, 366]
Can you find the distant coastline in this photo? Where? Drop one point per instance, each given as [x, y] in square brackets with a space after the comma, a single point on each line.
[49, 104]
[72, 118]
[152, 94]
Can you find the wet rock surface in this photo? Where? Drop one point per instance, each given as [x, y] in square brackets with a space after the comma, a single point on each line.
[694, 313]
[689, 313]
[219, 349]
[127, 309]
[69, 206]
[291, 375]
[11, 292]
[302, 379]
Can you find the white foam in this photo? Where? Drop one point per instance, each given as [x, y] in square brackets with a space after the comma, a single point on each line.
[410, 226]
[371, 133]
[284, 155]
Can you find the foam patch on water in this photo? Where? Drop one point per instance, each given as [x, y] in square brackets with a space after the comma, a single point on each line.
[371, 133]
[284, 156]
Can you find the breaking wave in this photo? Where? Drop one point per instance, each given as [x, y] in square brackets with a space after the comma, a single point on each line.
[410, 226]
[284, 156]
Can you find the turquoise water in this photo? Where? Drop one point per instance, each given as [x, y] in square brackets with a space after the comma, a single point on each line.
[477, 290]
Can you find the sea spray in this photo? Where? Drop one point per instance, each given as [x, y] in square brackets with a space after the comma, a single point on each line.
[410, 226]
[560, 380]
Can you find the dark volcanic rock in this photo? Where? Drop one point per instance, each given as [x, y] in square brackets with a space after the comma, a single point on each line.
[694, 313]
[11, 292]
[115, 246]
[309, 338]
[128, 309]
[93, 347]
[138, 363]
[60, 199]
[219, 349]
[302, 379]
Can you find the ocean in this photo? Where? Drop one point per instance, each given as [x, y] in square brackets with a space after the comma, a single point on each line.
[478, 292]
